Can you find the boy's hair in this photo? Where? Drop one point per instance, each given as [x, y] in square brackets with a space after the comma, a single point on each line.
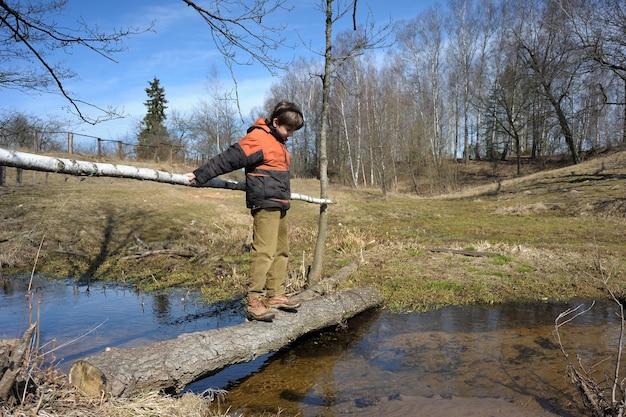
[288, 114]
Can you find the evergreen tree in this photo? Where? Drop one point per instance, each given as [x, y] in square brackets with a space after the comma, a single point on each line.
[154, 139]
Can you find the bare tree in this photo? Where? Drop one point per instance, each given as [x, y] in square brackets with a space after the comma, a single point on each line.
[179, 127]
[600, 26]
[238, 31]
[465, 31]
[22, 130]
[508, 103]
[29, 35]
[226, 127]
[349, 99]
[213, 125]
[546, 47]
[329, 60]
[509, 107]
[370, 37]
[489, 23]
[348, 96]
[421, 42]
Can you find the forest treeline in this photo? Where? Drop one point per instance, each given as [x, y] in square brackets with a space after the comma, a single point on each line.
[465, 79]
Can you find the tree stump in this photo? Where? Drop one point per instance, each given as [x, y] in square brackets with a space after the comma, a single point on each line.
[12, 363]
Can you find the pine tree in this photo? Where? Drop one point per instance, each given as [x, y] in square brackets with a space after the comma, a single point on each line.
[154, 139]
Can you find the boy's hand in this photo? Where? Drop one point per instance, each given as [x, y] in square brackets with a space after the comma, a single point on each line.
[191, 177]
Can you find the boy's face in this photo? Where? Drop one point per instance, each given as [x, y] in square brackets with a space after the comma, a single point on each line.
[285, 131]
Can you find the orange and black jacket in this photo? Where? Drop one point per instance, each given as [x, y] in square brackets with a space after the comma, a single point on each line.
[264, 155]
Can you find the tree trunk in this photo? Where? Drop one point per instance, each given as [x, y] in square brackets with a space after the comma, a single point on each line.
[315, 273]
[563, 123]
[172, 364]
[96, 169]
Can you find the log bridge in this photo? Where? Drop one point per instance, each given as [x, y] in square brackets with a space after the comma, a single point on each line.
[170, 365]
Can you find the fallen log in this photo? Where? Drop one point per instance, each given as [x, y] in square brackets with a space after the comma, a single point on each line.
[471, 253]
[43, 163]
[171, 365]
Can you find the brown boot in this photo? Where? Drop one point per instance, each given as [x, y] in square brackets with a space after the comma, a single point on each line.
[257, 310]
[282, 302]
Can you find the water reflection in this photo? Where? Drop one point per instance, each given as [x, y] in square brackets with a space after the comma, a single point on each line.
[79, 320]
[460, 361]
[469, 360]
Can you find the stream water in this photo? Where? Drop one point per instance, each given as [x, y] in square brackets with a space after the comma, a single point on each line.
[461, 361]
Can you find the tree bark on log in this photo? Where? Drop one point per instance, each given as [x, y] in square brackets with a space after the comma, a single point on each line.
[97, 169]
[173, 364]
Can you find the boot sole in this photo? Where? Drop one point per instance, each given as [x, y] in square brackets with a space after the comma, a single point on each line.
[266, 318]
[285, 307]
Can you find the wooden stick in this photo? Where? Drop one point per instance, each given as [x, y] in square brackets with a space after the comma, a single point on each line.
[97, 169]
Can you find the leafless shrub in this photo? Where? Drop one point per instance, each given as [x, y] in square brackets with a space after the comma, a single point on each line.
[603, 394]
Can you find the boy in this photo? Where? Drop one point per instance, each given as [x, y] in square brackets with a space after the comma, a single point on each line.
[263, 152]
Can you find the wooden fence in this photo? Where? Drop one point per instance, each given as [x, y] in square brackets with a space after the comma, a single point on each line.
[73, 143]
[80, 146]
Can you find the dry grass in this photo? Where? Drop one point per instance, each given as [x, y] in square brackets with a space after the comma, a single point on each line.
[55, 398]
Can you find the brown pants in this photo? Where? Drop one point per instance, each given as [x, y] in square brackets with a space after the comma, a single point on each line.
[270, 253]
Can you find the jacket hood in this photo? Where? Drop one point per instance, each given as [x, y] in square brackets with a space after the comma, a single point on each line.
[266, 125]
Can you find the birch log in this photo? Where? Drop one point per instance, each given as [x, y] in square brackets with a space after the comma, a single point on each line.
[172, 364]
[97, 169]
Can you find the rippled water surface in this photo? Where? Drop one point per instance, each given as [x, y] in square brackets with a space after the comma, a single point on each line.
[461, 361]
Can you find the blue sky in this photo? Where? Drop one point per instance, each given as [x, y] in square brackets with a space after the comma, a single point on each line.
[180, 53]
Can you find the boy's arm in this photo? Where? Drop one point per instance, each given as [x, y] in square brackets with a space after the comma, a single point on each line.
[231, 159]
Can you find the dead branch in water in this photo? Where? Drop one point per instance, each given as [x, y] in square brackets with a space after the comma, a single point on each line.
[607, 397]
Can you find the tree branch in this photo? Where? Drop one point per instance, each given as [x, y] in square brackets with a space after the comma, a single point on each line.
[25, 35]
[244, 31]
